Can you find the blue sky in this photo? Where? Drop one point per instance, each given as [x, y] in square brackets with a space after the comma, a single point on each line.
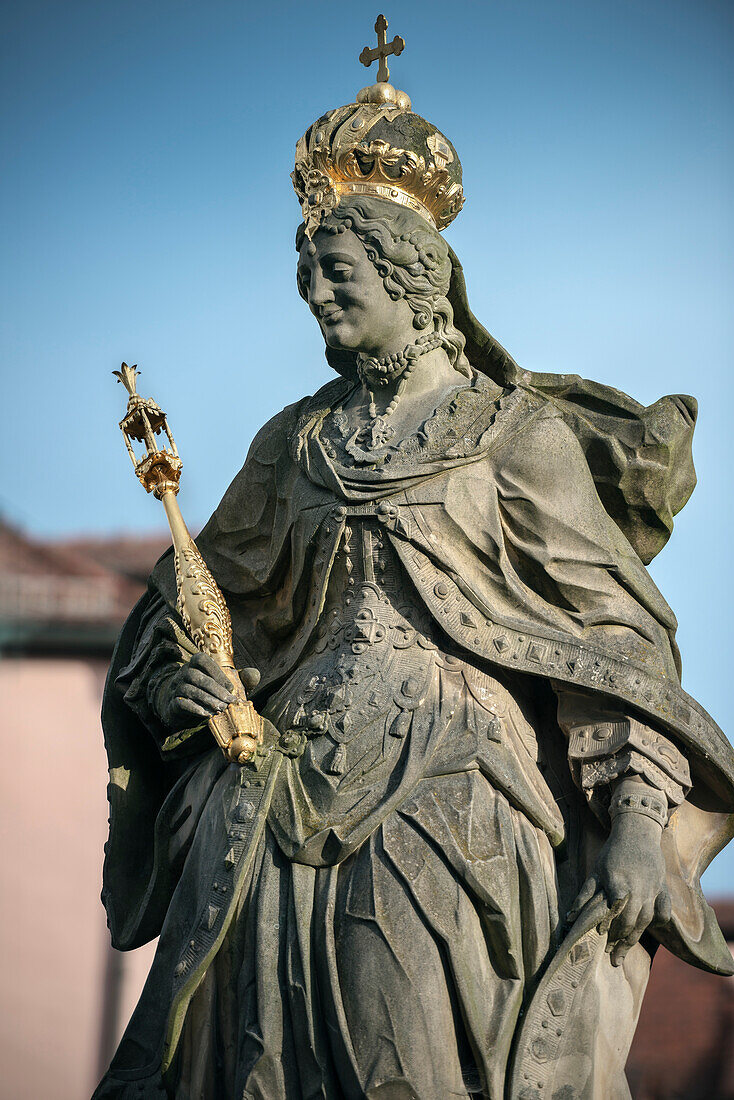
[147, 215]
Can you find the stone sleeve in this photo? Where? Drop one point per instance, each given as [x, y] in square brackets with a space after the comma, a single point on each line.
[605, 745]
[161, 649]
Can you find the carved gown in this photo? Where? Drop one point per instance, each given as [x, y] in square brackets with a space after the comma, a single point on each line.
[460, 650]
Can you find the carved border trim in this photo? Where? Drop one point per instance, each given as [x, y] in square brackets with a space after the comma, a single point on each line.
[248, 811]
[554, 656]
[540, 1041]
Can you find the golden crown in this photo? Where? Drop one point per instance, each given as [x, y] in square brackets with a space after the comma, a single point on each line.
[378, 146]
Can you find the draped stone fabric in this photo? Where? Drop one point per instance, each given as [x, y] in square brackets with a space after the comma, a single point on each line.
[640, 458]
[519, 564]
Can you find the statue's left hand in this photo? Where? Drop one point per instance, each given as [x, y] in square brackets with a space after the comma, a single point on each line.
[630, 874]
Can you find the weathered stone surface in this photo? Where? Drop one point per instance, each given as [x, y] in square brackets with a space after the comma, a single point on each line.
[474, 724]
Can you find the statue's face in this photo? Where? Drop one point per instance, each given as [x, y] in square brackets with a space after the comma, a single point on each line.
[347, 297]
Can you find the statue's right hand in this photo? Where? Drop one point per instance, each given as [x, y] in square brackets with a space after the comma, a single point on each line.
[196, 691]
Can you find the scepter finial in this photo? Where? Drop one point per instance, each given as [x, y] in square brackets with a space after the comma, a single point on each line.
[159, 469]
[127, 376]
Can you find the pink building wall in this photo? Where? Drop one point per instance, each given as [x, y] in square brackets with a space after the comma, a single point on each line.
[53, 823]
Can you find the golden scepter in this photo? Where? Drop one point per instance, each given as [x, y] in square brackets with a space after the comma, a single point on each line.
[200, 603]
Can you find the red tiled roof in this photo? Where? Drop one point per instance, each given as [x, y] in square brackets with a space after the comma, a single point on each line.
[132, 555]
[24, 556]
[54, 583]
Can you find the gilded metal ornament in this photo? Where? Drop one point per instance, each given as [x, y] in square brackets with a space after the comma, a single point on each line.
[200, 603]
[336, 157]
[325, 175]
[382, 51]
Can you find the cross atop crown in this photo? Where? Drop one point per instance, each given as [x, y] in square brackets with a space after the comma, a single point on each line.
[382, 50]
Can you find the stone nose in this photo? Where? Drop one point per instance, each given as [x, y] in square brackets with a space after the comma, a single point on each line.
[319, 289]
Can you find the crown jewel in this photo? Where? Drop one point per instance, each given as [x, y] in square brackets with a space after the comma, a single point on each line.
[378, 146]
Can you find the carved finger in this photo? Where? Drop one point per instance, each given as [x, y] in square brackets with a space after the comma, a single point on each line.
[643, 922]
[606, 922]
[619, 953]
[188, 706]
[623, 923]
[207, 664]
[663, 907]
[586, 893]
[250, 678]
[620, 949]
[211, 703]
[207, 683]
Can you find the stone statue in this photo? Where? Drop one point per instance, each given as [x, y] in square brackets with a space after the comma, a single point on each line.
[482, 798]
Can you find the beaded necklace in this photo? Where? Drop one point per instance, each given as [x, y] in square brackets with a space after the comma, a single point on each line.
[379, 372]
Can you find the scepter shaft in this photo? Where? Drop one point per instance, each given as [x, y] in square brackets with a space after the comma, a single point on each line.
[206, 617]
[200, 603]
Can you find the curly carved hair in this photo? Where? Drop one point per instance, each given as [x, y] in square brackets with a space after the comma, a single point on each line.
[412, 259]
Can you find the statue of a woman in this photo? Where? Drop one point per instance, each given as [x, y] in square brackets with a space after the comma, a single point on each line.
[484, 798]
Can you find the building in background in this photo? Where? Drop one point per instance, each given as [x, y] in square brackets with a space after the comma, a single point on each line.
[65, 995]
[684, 1045]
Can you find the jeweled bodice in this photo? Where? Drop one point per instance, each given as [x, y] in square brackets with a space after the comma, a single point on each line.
[368, 604]
[372, 655]
[380, 698]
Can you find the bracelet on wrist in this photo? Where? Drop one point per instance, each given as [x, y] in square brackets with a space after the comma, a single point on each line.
[631, 797]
